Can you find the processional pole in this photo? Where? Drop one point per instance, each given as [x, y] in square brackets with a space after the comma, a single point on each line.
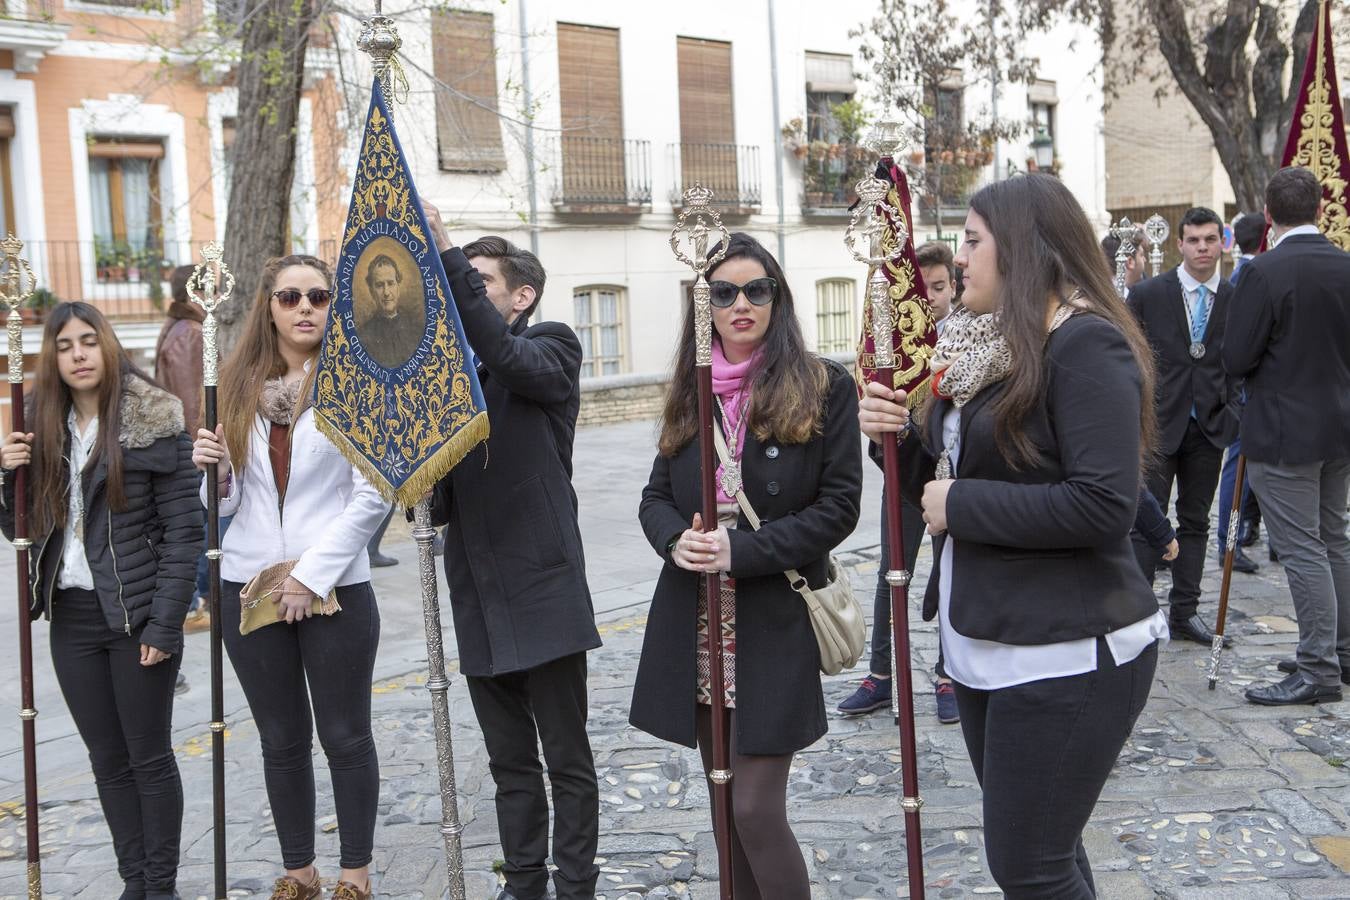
[1157, 231]
[210, 285]
[16, 286]
[691, 230]
[876, 215]
[1124, 234]
[1229, 552]
[379, 37]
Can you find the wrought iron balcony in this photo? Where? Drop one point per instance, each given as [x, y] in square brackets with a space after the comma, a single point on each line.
[28, 30]
[730, 171]
[601, 175]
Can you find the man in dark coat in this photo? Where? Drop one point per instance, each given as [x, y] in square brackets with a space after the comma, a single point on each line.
[513, 559]
[1182, 313]
[1287, 329]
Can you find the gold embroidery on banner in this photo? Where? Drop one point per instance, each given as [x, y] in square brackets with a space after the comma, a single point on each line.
[434, 406]
[1317, 144]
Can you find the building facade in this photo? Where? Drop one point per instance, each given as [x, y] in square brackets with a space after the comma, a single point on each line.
[572, 127]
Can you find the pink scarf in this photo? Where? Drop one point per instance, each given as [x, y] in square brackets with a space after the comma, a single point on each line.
[727, 381]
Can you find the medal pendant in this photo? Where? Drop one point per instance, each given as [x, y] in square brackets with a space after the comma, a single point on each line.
[731, 479]
[943, 470]
[1197, 350]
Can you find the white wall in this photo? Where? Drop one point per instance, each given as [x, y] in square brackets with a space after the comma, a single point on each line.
[633, 252]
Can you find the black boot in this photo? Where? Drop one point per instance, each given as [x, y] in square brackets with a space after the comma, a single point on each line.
[377, 558]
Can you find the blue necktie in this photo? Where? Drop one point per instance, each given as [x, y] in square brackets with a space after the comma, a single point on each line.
[1199, 313]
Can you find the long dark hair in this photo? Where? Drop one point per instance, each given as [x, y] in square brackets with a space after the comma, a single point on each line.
[788, 385]
[51, 402]
[1046, 246]
[257, 358]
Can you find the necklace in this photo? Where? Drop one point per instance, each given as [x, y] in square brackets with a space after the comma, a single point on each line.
[730, 480]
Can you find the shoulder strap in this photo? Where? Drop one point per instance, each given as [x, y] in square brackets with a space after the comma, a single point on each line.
[793, 576]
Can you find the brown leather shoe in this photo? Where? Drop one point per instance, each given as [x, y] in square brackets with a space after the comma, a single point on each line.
[345, 890]
[197, 621]
[288, 887]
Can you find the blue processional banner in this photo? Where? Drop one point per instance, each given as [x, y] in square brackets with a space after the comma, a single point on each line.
[395, 389]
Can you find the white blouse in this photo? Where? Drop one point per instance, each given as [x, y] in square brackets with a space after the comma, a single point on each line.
[990, 665]
[74, 571]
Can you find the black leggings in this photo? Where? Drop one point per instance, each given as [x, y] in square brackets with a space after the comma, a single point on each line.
[1042, 752]
[766, 862]
[124, 712]
[336, 656]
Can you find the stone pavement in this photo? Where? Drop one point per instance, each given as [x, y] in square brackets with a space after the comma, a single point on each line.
[1211, 798]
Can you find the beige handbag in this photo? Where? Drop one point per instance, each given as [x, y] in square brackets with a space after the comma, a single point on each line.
[266, 585]
[836, 615]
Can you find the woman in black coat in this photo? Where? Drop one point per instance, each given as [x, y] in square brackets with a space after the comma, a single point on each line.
[117, 529]
[1027, 463]
[788, 419]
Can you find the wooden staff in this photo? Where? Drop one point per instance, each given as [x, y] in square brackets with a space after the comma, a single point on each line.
[876, 212]
[18, 283]
[1229, 550]
[691, 226]
[210, 285]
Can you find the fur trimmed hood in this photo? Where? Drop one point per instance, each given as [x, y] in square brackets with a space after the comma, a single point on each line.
[148, 413]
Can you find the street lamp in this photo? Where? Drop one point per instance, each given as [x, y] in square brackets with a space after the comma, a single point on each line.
[1043, 149]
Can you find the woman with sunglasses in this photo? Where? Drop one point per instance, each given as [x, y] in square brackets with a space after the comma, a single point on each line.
[788, 418]
[295, 498]
[116, 531]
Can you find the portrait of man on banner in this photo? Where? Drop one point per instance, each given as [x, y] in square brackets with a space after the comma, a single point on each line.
[390, 314]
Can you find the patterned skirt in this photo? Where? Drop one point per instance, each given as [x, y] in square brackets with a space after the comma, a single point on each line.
[703, 657]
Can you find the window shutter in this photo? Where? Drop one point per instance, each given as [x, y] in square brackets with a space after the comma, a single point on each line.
[706, 113]
[464, 62]
[116, 149]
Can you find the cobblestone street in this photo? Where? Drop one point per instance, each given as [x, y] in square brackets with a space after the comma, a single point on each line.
[1212, 796]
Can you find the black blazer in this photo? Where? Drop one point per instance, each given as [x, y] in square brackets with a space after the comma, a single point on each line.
[1183, 382]
[1289, 336]
[1043, 552]
[513, 553]
[807, 496]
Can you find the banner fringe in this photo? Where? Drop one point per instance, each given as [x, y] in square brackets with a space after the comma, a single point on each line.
[424, 479]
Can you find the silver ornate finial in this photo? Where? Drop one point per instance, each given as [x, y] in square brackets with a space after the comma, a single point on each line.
[379, 37]
[1157, 231]
[884, 138]
[698, 222]
[210, 285]
[873, 214]
[17, 284]
[1124, 233]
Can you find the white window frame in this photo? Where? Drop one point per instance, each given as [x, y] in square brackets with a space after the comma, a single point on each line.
[25, 169]
[847, 290]
[593, 365]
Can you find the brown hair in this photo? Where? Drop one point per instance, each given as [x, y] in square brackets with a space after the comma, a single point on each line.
[1045, 246]
[788, 386]
[49, 490]
[936, 253]
[518, 267]
[1293, 196]
[182, 306]
[257, 358]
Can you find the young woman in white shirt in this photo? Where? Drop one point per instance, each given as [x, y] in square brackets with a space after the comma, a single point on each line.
[295, 498]
[1027, 463]
[116, 530]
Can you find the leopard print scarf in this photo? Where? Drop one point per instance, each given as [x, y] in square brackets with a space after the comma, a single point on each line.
[971, 355]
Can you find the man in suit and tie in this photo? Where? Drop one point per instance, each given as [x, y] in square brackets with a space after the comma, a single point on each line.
[1182, 313]
[1247, 234]
[1287, 328]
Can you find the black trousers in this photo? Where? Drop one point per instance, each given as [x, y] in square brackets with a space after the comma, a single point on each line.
[326, 662]
[124, 713]
[518, 712]
[1042, 752]
[914, 531]
[1195, 469]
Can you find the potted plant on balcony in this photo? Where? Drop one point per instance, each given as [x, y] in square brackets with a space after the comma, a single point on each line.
[38, 305]
[111, 261]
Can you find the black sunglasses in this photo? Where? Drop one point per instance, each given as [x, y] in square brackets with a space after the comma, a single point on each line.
[760, 292]
[290, 298]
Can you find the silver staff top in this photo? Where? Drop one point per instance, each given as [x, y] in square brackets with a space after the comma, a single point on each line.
[17, 284]
[211, 284]
[1157, 231]
[692, 231]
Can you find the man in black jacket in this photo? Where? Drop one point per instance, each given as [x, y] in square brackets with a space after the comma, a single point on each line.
[517, 576]
[1182, 313]
[1287, 335]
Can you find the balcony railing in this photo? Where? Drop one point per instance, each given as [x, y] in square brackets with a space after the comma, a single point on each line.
[124, 282]
[29, 10]
[595, 174]
[730, 171]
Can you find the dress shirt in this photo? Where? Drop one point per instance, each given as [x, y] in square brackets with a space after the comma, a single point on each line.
[1297, 229]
